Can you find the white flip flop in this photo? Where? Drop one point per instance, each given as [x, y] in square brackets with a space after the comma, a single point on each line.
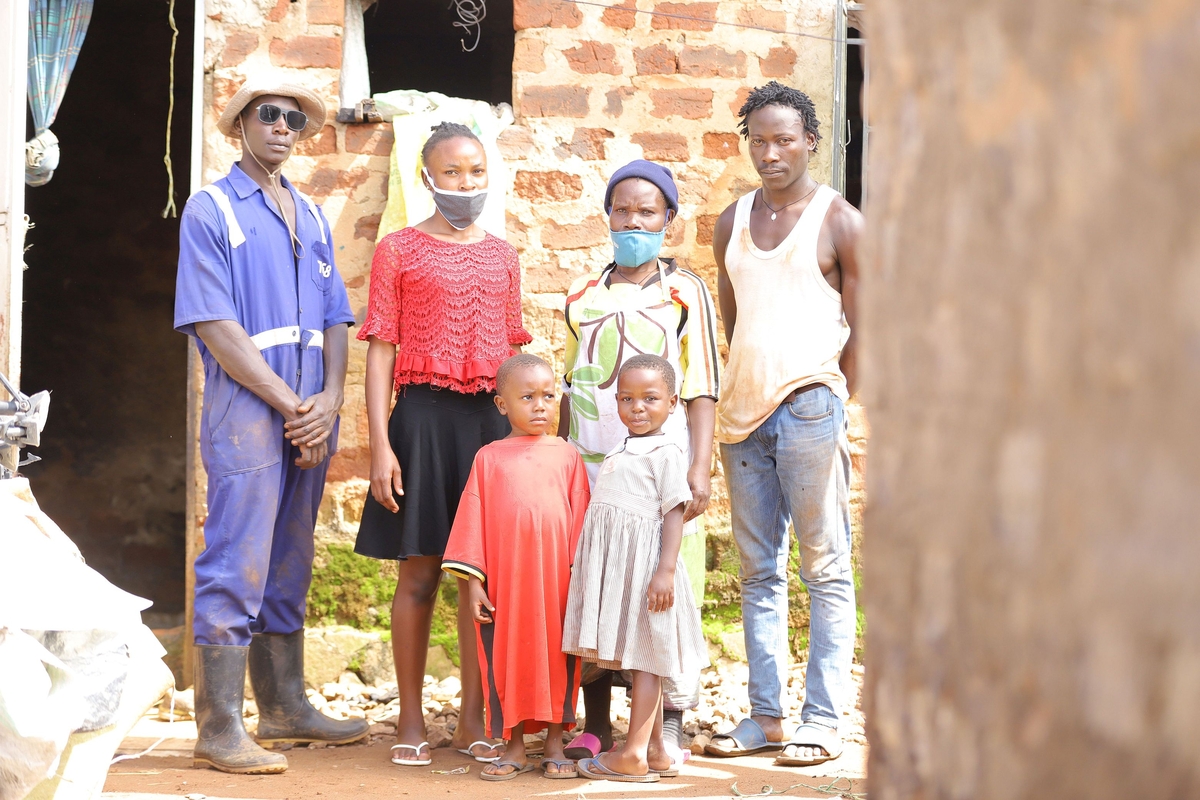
[466, 751]
[416, 749]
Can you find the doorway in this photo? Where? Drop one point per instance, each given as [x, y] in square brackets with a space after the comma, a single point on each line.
[414, 44]
[99, 304]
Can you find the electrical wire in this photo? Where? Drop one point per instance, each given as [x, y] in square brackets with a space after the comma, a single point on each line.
[470, 14]
[170, 208]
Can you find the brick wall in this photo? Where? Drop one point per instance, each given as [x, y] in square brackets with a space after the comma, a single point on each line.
[592, 89]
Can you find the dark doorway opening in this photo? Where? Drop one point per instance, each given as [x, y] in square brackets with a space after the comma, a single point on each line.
[99, 302]
[855, 115]
[413, 44]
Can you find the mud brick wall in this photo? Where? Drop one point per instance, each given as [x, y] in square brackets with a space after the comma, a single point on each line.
[592, 89]
[1032, 333]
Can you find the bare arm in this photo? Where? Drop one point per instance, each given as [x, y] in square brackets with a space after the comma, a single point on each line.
[236, 353]
[847, 228]
[564, 417]
[661, 595]
[702, 423]
[725, 299]
[319, 412]
[385, 468]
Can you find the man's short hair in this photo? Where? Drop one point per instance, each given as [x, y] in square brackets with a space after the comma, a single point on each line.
[654, 364]
[776, 94]
[517, 363]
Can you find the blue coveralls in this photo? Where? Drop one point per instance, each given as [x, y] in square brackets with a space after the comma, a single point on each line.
[254, 573]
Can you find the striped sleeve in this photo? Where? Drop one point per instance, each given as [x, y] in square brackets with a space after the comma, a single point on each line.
[698, 354]
[464, 556]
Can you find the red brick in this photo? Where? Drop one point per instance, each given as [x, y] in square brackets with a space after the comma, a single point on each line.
[373, 140]
[554, 186]
[761, 18]
[616, 17]
[326, 12]
[721, 145]
[518, 232]
[712, 62]
[779, 63]
[515, 141]
[307, 51]
[349, 462]
[656, 60]
[739, 100]
[616, 100]
[279, 11]
[324, 143]
[590, 58]
[705, 225]
[321, 183]
[544, 274]
[700, 16]
[587, 143]
[529, 55]
[238, 45]
[662, 146]
[674, 236]
[223, 91]
[686, 103]
[554, 101]
[545, 14]
[573, 236]
[358, 281]
[367, 227]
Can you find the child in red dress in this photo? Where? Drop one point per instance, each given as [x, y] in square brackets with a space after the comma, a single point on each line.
[514, 540]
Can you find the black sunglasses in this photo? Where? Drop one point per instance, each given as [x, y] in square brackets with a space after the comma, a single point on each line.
[269, 114]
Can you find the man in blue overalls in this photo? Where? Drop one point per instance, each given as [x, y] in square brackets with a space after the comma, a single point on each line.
[258, 289]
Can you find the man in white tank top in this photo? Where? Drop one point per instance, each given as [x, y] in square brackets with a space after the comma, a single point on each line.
[787, 260]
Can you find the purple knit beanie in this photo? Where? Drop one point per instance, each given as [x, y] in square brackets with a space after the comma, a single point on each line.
[657, 174]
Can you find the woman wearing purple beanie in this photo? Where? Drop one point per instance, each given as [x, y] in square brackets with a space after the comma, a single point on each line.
[641, 303]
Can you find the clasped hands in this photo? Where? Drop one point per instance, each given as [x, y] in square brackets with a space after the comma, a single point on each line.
[311, 428]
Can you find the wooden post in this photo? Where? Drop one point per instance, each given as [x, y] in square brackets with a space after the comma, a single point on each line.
[14, 23]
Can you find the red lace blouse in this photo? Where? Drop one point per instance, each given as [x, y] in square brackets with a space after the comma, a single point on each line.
[454, 310]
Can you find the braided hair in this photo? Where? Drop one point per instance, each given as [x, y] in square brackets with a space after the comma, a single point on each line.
[776, 94]
[444, 131]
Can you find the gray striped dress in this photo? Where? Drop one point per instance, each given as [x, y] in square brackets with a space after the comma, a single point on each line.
[607, 620]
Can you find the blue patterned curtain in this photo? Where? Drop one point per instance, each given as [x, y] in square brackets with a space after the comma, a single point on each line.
[56, 31]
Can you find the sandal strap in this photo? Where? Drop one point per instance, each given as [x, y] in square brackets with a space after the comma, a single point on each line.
[416, 748]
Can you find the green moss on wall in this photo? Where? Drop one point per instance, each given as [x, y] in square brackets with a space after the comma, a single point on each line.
[349, 589]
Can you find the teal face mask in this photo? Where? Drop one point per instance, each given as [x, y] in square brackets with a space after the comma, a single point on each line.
[634, 248]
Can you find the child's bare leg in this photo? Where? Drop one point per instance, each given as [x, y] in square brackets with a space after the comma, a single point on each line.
[412, 614]
[554, 752]
[470, 717]
[514, 753]
[656, 753]
[644, 709]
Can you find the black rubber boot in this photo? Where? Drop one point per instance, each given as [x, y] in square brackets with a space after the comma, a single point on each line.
[673, 727]
[221, 739]
[284, 713]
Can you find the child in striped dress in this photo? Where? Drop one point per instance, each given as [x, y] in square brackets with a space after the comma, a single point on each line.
[630, 605]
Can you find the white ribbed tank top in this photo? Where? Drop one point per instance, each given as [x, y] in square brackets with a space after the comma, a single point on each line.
[790, 327]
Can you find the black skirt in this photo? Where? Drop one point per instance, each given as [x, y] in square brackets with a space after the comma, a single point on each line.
[435, 434]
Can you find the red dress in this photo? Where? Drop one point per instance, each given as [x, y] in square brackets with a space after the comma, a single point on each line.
[516, 529]
[454, 310]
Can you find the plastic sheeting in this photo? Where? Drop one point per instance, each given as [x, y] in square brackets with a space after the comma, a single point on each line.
[412, 114]
[67, 637]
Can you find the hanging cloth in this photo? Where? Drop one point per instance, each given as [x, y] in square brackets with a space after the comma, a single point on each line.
[56, 31]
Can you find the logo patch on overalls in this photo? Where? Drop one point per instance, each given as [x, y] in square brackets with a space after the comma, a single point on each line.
[325, 269]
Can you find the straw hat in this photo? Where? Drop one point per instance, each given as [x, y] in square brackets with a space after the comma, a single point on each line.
[260, 85]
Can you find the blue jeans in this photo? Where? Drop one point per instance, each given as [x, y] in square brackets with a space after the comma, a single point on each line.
[795, 466]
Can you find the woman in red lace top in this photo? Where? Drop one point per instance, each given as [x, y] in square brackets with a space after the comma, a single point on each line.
[444, 312]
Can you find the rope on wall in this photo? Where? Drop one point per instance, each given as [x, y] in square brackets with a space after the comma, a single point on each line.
[470, 14]
[170, 208]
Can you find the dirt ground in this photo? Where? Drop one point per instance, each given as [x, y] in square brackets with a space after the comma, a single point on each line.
[357, 771]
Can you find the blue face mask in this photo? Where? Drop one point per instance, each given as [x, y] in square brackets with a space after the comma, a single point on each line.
[634, 248]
